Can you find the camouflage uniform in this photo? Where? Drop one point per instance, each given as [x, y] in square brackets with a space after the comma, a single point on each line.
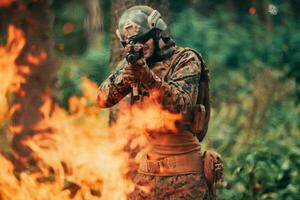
[189, 186]
[178, 93]
[172, 167]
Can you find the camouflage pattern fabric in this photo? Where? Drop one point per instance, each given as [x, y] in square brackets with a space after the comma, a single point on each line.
[178, 93]
[115, 110]
[180, 187]
[113, 89]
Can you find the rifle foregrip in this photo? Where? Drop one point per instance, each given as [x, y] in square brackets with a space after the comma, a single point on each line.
[135, 92]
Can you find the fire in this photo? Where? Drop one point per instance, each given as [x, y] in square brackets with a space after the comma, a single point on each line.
[10, 75]
[252, 10]
[5, 3]
[36, 59]
[78, 156]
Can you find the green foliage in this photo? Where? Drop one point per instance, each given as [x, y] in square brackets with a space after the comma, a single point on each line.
[69, 30]
[93, 64]
[69, 82]
[229, 47]
[261, 164]
[75, 60]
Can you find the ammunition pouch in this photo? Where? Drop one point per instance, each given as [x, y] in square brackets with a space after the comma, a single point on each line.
[198, 119]
[212, 168]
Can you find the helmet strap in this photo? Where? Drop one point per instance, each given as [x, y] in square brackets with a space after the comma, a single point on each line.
[159, 54]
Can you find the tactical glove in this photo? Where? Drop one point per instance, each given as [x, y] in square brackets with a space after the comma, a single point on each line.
[128, 77]
[140, 72]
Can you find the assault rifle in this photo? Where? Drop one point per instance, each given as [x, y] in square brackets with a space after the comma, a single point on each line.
[134, 52]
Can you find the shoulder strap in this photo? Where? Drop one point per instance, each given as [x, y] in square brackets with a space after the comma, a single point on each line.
[203, 87]
[204, 76]
[203, 95]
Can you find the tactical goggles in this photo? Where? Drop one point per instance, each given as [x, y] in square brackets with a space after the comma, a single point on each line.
[141, 39]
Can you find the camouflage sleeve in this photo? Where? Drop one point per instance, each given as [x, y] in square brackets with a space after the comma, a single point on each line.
[113, 89]
[179, 92]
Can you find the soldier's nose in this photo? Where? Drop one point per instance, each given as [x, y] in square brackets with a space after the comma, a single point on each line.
[146, 47]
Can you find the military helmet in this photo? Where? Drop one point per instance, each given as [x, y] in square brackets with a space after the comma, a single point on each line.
[139, 22]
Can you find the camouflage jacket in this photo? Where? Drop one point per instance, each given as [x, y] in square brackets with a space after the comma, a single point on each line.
[178, 93]
[179, 89]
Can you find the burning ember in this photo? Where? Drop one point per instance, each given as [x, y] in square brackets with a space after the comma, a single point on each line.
[81, 158]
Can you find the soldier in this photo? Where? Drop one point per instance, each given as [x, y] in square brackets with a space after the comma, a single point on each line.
[172, 168]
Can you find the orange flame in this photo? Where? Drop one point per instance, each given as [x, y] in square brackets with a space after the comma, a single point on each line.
[10, 75]
[68, 27]
[252, 10]
[5, 3]
[80, 157]
[36, 59]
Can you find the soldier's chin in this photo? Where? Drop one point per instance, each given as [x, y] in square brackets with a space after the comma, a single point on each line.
[147, 54]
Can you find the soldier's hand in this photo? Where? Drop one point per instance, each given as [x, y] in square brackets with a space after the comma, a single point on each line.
[142, 73]
[137, 71]
[128, 76]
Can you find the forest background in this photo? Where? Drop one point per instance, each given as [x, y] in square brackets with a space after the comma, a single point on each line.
[252, 49]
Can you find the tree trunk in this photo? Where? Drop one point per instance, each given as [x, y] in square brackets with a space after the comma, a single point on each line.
[93, 24]
[36, 20]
